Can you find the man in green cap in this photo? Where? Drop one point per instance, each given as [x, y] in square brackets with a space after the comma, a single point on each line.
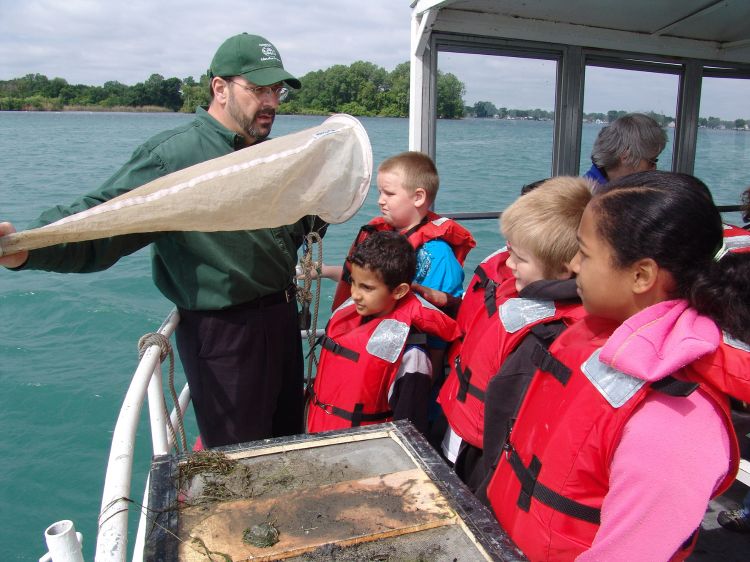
[238, 335]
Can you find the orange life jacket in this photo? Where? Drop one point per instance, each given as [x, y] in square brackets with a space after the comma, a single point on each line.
[480, 293]
[359, 362]
[484, 349]
[737, 239]
[549, 485]
[432, 227]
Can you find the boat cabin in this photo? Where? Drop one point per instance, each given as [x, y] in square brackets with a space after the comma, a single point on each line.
[693, 40]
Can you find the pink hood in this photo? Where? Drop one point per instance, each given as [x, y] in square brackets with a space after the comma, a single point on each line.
[659, 340]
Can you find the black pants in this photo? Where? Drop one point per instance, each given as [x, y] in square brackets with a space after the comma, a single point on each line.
[245, 370]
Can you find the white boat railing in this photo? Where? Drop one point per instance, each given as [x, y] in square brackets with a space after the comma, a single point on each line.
[112, 537]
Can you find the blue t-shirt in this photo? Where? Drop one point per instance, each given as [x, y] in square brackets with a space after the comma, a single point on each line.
[438, 268]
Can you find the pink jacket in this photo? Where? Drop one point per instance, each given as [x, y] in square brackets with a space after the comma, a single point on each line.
[674, 451]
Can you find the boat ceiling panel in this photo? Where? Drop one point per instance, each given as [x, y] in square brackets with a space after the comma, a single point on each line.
[706, 29]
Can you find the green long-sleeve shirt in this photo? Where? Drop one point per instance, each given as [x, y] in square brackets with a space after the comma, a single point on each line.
[195, 270]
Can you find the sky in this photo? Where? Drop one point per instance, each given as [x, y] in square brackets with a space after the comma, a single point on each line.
[94, 41]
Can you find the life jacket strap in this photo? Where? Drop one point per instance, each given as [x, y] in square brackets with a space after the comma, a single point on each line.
[464, 383]
[532, 488]
[416, 338]
[333, 347]
[674, 387]
[489, 287]
[356, 416]
[542, 359]
[416, 227]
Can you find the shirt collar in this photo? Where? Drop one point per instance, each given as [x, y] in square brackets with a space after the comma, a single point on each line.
[233, 139]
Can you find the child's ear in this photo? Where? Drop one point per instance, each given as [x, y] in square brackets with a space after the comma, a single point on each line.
[420, 197]
[647, 275]
[401, 291]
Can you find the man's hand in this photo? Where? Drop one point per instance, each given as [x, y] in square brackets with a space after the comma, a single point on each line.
[12, 260]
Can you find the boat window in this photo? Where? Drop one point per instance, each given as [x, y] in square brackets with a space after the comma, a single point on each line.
[505, 139]
[612, 92]
[722, 158]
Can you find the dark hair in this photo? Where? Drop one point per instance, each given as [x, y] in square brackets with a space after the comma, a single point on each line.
[672, 219]
[658, 179]
[746, 206]
[532, 186]
[389, 254]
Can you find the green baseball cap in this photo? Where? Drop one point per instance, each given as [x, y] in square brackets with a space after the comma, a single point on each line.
[253, 57]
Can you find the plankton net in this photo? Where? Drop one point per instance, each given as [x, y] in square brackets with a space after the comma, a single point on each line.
[324, 171]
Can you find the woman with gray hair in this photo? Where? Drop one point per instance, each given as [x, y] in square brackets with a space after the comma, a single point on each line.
[631, 143]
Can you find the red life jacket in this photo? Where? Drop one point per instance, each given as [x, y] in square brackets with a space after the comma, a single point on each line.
[737, 239]
[484, 349]
[359, 362]
[480, 294]
[549, 485]
[432, 227]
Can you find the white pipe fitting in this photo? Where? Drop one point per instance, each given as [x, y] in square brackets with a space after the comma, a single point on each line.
[63, 542]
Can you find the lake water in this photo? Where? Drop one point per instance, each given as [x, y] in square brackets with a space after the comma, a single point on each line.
[68, 342]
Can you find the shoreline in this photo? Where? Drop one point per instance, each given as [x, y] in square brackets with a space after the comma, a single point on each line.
[157, 109]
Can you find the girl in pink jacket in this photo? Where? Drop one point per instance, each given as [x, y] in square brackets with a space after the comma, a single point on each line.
[653, 267]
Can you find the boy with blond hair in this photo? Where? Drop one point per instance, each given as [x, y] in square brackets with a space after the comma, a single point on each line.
[492, 367]
[408, 184]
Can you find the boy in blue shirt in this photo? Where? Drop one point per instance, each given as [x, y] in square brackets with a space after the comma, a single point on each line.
[408, 185]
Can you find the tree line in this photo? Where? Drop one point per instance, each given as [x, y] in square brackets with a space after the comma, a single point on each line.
[37, 92]
[362, 89]
[486, 109]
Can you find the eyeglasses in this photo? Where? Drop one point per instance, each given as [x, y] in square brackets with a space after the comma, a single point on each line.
[652, 161]
[279, 92]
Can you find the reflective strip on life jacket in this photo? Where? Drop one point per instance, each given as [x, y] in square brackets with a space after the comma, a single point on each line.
[388, 339]
[737, 242]
[615, 386]
[734, 342]
[517, 313]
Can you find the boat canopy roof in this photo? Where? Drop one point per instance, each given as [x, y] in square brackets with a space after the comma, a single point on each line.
[689, 38]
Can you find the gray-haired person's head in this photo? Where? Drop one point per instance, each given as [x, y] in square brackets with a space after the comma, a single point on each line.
[632, 137]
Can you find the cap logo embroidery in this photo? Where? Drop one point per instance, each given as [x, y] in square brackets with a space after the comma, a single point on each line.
[269, 52]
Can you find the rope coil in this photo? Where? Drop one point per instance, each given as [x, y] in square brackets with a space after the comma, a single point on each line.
[310, 273]
[165, 351]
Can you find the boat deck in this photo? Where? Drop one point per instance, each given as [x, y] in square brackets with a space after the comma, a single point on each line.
[716, 544]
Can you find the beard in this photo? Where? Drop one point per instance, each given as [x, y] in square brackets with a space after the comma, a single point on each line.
[248, 123]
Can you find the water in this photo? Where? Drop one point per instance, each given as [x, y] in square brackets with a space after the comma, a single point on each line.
[68, 342]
